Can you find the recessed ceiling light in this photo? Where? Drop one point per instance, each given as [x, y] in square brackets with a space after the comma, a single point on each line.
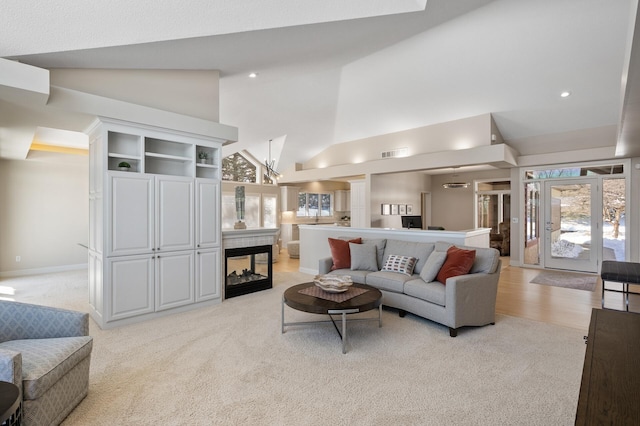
[253, 75]
[565, 94]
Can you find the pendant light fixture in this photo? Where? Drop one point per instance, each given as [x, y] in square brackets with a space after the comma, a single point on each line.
[456, 184]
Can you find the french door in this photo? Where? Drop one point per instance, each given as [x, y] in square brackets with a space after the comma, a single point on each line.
[572, 218]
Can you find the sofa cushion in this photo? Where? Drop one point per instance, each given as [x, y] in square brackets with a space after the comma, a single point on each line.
[420, 251]
[486, 258]
[357, 276]
[46, 361]
[390, 281]
[432, 267]
[486, 261]
[401, 264]
[340, 252]
[433, 292]
[363, 257]
[459, 262]
[380, 245]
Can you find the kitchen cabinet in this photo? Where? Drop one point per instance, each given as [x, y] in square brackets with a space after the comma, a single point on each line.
[289, 197]
[342, 202]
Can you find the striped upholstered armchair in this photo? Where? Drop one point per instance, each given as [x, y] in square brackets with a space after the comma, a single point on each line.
[46, 353]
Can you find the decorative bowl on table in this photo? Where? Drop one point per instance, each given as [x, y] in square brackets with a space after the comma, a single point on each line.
[333, 283]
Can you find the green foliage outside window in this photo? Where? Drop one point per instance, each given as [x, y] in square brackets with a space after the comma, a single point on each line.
[236, 168]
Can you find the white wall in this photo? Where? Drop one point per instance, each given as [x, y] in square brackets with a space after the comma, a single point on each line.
[187, 92]
[43, 212]
[455, 135]
[454, 208]
[397, 188]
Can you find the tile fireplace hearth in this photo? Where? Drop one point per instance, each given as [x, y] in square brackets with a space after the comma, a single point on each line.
[248, 260]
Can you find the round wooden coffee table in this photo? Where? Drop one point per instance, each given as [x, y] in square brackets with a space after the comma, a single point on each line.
[307, 297]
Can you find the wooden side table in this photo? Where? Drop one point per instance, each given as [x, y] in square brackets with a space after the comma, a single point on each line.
[10, 405]
[610, 388]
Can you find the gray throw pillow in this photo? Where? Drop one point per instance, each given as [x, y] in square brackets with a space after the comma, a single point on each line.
[363, 257]
[432, 267]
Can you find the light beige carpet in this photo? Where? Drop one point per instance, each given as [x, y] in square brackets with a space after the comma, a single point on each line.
[230, 365]
[567, 280]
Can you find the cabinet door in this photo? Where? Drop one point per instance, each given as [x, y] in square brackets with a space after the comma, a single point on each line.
[174, 279]
[208, 274]
[175, 216]
[95, 284]
[131, 214]
[207, 213]
[358, 206]
[131, 286]
[289, 196]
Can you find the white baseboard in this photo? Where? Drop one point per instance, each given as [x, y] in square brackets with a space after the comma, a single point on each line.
[308, 271]
[48, 270]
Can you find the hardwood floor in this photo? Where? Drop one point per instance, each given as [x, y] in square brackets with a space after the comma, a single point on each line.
[519, 298]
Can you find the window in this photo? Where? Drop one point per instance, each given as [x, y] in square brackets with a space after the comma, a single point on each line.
[565, 172]
[270, 211]
[254, 215]
[237, 168]
[315, 204]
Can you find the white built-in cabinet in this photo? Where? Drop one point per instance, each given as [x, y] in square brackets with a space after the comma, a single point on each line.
[359, 205]
[154, 228]
[342, 201]
[289, 198]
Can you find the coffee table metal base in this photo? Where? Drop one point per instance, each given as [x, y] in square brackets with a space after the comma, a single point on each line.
[343, 313]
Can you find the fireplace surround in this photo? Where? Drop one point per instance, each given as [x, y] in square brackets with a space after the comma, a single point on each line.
[248, 260]
[244, 273]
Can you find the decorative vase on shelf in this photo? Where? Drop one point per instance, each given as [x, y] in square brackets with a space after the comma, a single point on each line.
[203, 161]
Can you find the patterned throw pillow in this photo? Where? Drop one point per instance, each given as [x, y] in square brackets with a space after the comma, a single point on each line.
[401, 264]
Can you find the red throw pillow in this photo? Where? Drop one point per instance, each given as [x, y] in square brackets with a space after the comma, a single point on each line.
[340, 252]
[458, 262]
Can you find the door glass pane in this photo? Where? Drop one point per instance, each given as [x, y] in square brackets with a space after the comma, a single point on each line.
[613, 220]
[570, 224]
[532, 221]
[488, 211]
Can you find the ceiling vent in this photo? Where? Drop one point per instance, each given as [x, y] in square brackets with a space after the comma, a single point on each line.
[395, 153]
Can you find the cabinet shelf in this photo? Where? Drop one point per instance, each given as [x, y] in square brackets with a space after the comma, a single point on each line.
[124, 156]
[205, 165]
[169, 157]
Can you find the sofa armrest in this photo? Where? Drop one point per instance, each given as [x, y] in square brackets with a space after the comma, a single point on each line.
[11, 367]
[324, 265]
[471, 299]
[41, 322]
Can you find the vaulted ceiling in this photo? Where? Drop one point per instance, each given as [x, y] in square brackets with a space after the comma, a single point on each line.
[335, 71]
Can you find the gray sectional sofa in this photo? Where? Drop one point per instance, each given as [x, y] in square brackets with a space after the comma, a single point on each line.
[464, 300]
